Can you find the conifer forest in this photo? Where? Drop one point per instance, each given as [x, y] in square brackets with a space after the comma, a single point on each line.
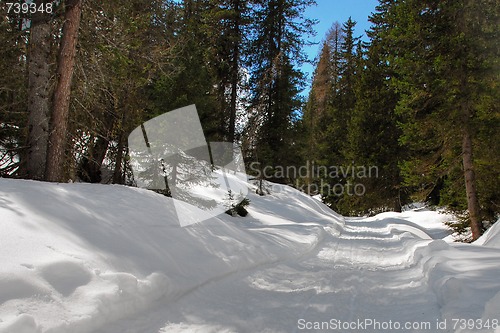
[411, 113]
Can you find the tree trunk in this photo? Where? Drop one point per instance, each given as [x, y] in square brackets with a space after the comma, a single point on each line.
[470, 186]
[38, 93]
[234, 72]
[89, 169]
[398, 206]
[65, 68]
[118, 173]
[466, 75]
[234, 95]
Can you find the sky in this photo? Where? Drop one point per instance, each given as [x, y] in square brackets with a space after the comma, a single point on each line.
[329, 11]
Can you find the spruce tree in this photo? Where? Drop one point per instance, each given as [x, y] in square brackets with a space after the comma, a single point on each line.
[114, 71]
[39, 92]
[13, 93]
[277, 38]
[444, 61]
[56, 150]
[315, 117]
[227, 23]
[342, 101]
[374, 133]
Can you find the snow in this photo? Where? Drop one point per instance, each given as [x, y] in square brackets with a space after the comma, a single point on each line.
[491, 237]
[86, 258]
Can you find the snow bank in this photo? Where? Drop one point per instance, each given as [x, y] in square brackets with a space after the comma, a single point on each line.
[491, 237]
[431, 222]
[75, 256]
[465, 281]
[463, 277]
[80, 257]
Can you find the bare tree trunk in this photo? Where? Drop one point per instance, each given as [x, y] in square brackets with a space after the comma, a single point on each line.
[470, 186]
[38, 93]
[65, 68]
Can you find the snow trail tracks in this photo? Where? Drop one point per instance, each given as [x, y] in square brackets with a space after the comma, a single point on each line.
[367, 278]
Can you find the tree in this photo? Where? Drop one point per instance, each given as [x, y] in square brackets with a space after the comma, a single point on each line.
[341, 61]
[445, 72]
[195, 79]
[39, 82]
[348, 71]
[239, 19]
[62, 93]
[13, 106]
[277, 39]
[113, 72]
[324, 86]
[373, 132]
[318, 109]
[226, 26]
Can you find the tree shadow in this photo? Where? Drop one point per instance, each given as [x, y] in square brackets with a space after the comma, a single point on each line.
[9, 205]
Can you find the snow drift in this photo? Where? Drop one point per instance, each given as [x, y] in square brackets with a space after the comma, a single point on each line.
[77, 255]
[491, 237]
[80, 257]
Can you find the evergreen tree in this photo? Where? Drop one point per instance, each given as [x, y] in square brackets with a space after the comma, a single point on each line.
[342, 101]
[13, 106]
[444, 59]
[374, 134]
[227, 25]
[114, 74]
[348, 71]
[324, 86]
[39, 92]
[326, 114]
[334, 125]
[195, 79]
[277, 39]
[56, 151]
[315, 115]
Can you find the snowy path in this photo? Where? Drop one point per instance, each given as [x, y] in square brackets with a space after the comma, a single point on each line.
[340, 280]
[86, 258]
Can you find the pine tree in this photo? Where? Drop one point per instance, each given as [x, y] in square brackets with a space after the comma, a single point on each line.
[444, 65]
[334, 126]
[314, 115]
[39, 92]
[317, 115]
[56, 151]
[325, 83]
[278, 36]
[348, 71]
[342, 101]
[13, 106]
[194, 80]
[374, 133]
[226, 26]
[112, 80]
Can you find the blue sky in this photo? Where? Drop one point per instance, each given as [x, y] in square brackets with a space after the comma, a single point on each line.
[329, 11]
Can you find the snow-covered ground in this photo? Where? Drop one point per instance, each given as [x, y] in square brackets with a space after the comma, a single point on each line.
[111, 259]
